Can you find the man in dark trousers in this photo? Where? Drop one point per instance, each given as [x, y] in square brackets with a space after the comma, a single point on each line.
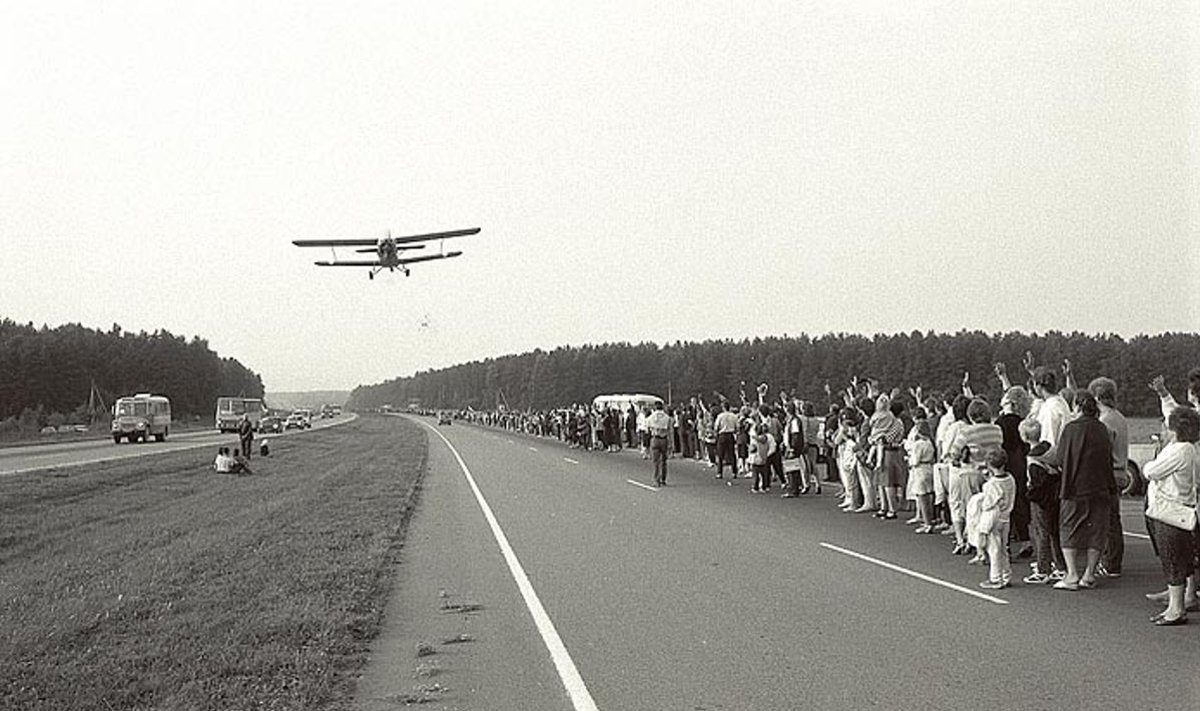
[245, 432]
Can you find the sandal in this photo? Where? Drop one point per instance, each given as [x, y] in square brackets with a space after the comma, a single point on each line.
[1064, 585]
[1087, 584]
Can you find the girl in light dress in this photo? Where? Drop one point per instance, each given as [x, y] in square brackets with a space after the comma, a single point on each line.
[921, 458]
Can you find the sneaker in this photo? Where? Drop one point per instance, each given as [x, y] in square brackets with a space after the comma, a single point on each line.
[923, 529]
[1036, 579]
[977, 560]
[1103, 572]
[941, 526]
[994, 584]
[913, 521]
[863, 509]
[1057, 575]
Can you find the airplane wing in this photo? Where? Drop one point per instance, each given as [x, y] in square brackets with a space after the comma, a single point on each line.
[429, 257]
[363, 263]
[437, 235]
[335, 242]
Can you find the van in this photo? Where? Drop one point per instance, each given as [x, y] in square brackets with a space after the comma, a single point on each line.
[138, 417]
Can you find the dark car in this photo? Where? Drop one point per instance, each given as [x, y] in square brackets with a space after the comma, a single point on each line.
[445, 419]
[270, 423]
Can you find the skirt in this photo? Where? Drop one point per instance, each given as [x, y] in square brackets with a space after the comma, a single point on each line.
[1083, 522]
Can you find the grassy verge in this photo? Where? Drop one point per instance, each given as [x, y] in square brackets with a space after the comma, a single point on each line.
[160, 584]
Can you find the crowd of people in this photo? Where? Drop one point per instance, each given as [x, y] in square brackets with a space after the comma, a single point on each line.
[1035, 476]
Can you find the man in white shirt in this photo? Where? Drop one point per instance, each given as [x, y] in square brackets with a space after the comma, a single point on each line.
[1054, 412]
[726, 426]
[659, 426]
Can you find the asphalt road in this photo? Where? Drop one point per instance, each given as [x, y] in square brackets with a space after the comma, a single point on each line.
[20, 459]
[701, 596]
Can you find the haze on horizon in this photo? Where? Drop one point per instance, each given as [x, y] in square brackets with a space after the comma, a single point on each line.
[665, 172]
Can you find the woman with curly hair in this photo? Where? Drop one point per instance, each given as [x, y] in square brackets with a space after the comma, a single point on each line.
[1172, 485]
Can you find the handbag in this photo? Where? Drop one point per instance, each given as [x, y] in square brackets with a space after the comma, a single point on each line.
[1171, 512]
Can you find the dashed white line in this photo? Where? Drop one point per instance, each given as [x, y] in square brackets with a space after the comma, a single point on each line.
[644, 486]
[1142, 536]
[568, 459]
[581, 699]
[533, 449]
[915, 574]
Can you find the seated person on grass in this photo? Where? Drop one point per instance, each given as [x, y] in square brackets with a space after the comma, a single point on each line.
[240, 464]
[223, 463]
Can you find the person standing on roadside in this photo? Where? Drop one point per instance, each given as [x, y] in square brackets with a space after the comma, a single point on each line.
[245, 432]
[1105, 391]
[726, 426]
[660, 427]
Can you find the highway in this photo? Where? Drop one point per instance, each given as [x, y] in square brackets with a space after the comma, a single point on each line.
[701, 596]
[36, 457]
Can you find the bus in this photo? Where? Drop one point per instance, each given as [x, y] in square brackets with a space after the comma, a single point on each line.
[231, 409]
[622, 402]
[138, 417]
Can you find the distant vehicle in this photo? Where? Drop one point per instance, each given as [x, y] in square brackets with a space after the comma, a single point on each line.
[137, 418]
[48, 429]
[299, 420]
[622, 402]
[387, 250]
[270, 423]
[444, 418]
[231, 409]
[65, 429]
[80, 428]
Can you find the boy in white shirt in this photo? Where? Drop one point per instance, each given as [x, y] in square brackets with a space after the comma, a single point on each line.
[999, 494]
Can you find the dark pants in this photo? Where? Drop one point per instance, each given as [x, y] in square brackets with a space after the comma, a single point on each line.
[247, 443]
[725, 453]
[762, 477]
[775, 464]
[1114, 550]
[658, 454]
[1044, 520]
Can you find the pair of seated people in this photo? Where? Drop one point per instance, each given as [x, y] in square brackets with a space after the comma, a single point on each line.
[226, 463]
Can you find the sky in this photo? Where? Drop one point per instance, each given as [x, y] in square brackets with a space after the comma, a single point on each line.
[641, 171]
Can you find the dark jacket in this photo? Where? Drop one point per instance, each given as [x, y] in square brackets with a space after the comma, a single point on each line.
[1084, 455]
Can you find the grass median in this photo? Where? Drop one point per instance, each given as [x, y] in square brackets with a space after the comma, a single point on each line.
[158, 584]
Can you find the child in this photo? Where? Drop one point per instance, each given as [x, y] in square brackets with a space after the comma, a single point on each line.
[743, 444]
[264, 449]
[1042, 490]
[762, 446]
[998, 496]
[845, 446]
[921, 457]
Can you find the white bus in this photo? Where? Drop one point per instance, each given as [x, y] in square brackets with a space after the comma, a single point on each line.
[136, 418]
[622, 402]
[231, 409]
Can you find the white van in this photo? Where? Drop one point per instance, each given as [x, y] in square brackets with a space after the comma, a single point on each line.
[622, 402]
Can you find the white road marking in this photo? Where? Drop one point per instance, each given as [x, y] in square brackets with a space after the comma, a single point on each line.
[915, 574]
[1142, 536]
[644, 486]
[511, 442]
[533, 449]
[581, 699]
[568, 459]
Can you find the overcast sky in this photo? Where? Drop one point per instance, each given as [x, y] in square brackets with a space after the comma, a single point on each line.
[641, 171]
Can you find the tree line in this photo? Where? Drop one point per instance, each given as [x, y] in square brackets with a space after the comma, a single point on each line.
[49, 372]
[802, 365]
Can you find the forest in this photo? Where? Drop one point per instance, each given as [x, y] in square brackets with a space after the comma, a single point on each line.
[46, 374]
[802, 365]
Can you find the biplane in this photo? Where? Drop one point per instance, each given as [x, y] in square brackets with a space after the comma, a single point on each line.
[388, 250]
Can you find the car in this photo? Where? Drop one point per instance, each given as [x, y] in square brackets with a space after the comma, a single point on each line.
[270, 423]
[48, 429]
[295, 422]
[445, 419]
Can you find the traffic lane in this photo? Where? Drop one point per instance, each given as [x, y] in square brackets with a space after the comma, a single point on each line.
[450, 558]
[16, 460]
[747, 569]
